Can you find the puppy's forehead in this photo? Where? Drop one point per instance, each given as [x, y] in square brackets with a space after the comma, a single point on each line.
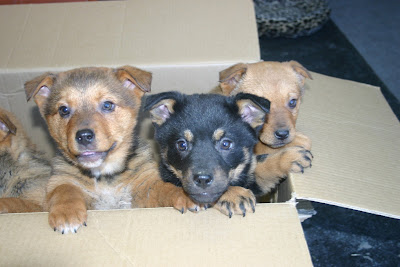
[83, 77]
[93, 92]
[205, 113]
[89, 84]
[86, 78]
[267, 79]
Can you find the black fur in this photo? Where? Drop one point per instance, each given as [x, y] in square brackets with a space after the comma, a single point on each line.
[202, 115]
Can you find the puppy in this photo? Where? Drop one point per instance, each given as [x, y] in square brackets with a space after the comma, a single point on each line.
[283, 84]
[24, 171]
[92, 114]
[206, 146]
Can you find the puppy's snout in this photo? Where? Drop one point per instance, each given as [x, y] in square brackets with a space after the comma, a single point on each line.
[282, 134]
[203, 180]
[85, 137]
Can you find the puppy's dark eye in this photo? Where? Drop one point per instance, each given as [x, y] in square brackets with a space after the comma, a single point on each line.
[292, 103]
[181, 145]
[108, 106]
[64, 111]
[226, 144]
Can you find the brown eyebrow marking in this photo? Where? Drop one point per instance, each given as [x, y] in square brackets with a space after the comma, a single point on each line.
[217, 135]
[188, 135]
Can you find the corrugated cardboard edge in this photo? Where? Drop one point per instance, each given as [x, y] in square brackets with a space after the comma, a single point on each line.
[376, 212]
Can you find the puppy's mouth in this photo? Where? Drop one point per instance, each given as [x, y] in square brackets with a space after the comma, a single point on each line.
[93, 159]
[91, 156]
[278, 144]
[206, 197]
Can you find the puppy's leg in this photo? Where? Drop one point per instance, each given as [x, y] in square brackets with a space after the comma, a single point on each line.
[67, 208]
[236, 200]
[271, 169]
[17, 205]
[171, 195]
[300, 140]
[151, 191]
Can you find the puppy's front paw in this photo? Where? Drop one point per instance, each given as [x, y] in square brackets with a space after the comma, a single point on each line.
[183, 202]
[67, 218]
[296, 159]
[236, 200]
[301, 140]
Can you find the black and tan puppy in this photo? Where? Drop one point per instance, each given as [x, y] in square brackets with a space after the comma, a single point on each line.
[282, 149]
[24, 171]
[207, 143]
[92, 114]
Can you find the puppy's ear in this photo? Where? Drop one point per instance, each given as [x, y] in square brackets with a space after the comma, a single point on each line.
[253, 109]
[161, 106]
[230, 77]
[134, 78]
[6, 124]
[39, 88]
[301, 71]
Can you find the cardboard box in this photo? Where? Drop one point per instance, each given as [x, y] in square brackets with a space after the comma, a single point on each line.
[185, 43]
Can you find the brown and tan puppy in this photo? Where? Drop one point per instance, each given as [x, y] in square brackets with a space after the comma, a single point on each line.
[24, 171]
[281, 148]
[92, 114]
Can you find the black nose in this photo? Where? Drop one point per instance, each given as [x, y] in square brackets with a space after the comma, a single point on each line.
[282, 134]
[84, 137]
[203, 180]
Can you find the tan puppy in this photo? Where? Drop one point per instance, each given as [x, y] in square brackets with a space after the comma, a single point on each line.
[282, 84]
[92, 114]
[24, 171]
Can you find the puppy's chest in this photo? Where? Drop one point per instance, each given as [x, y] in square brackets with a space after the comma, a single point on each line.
[8, 170]
[107, 196]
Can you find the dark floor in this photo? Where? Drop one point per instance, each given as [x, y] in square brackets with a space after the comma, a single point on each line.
[343, 237]
[338, 236]
[372, 27]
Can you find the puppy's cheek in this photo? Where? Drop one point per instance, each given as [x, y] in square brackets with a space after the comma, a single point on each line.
[222, 179]
[291, 137]
[187, 180]
[267, 138]
[266, 135]
[58, 131]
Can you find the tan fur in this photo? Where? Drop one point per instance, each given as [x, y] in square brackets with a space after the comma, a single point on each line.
[188, 135]
[114, 177]
[218, 134]
[235, 173]
[279, 82]
[156, 116]
[24, 170]
[236, 200]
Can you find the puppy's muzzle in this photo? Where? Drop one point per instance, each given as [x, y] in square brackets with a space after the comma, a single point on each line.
[85, 137]
[203, 180]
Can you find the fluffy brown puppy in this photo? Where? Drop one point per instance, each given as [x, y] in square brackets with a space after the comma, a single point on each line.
[24, 171]
[281, 148]
[92, 114]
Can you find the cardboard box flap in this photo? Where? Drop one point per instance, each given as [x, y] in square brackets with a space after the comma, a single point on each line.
[356, 147]
[111, 33]
[158, 237]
